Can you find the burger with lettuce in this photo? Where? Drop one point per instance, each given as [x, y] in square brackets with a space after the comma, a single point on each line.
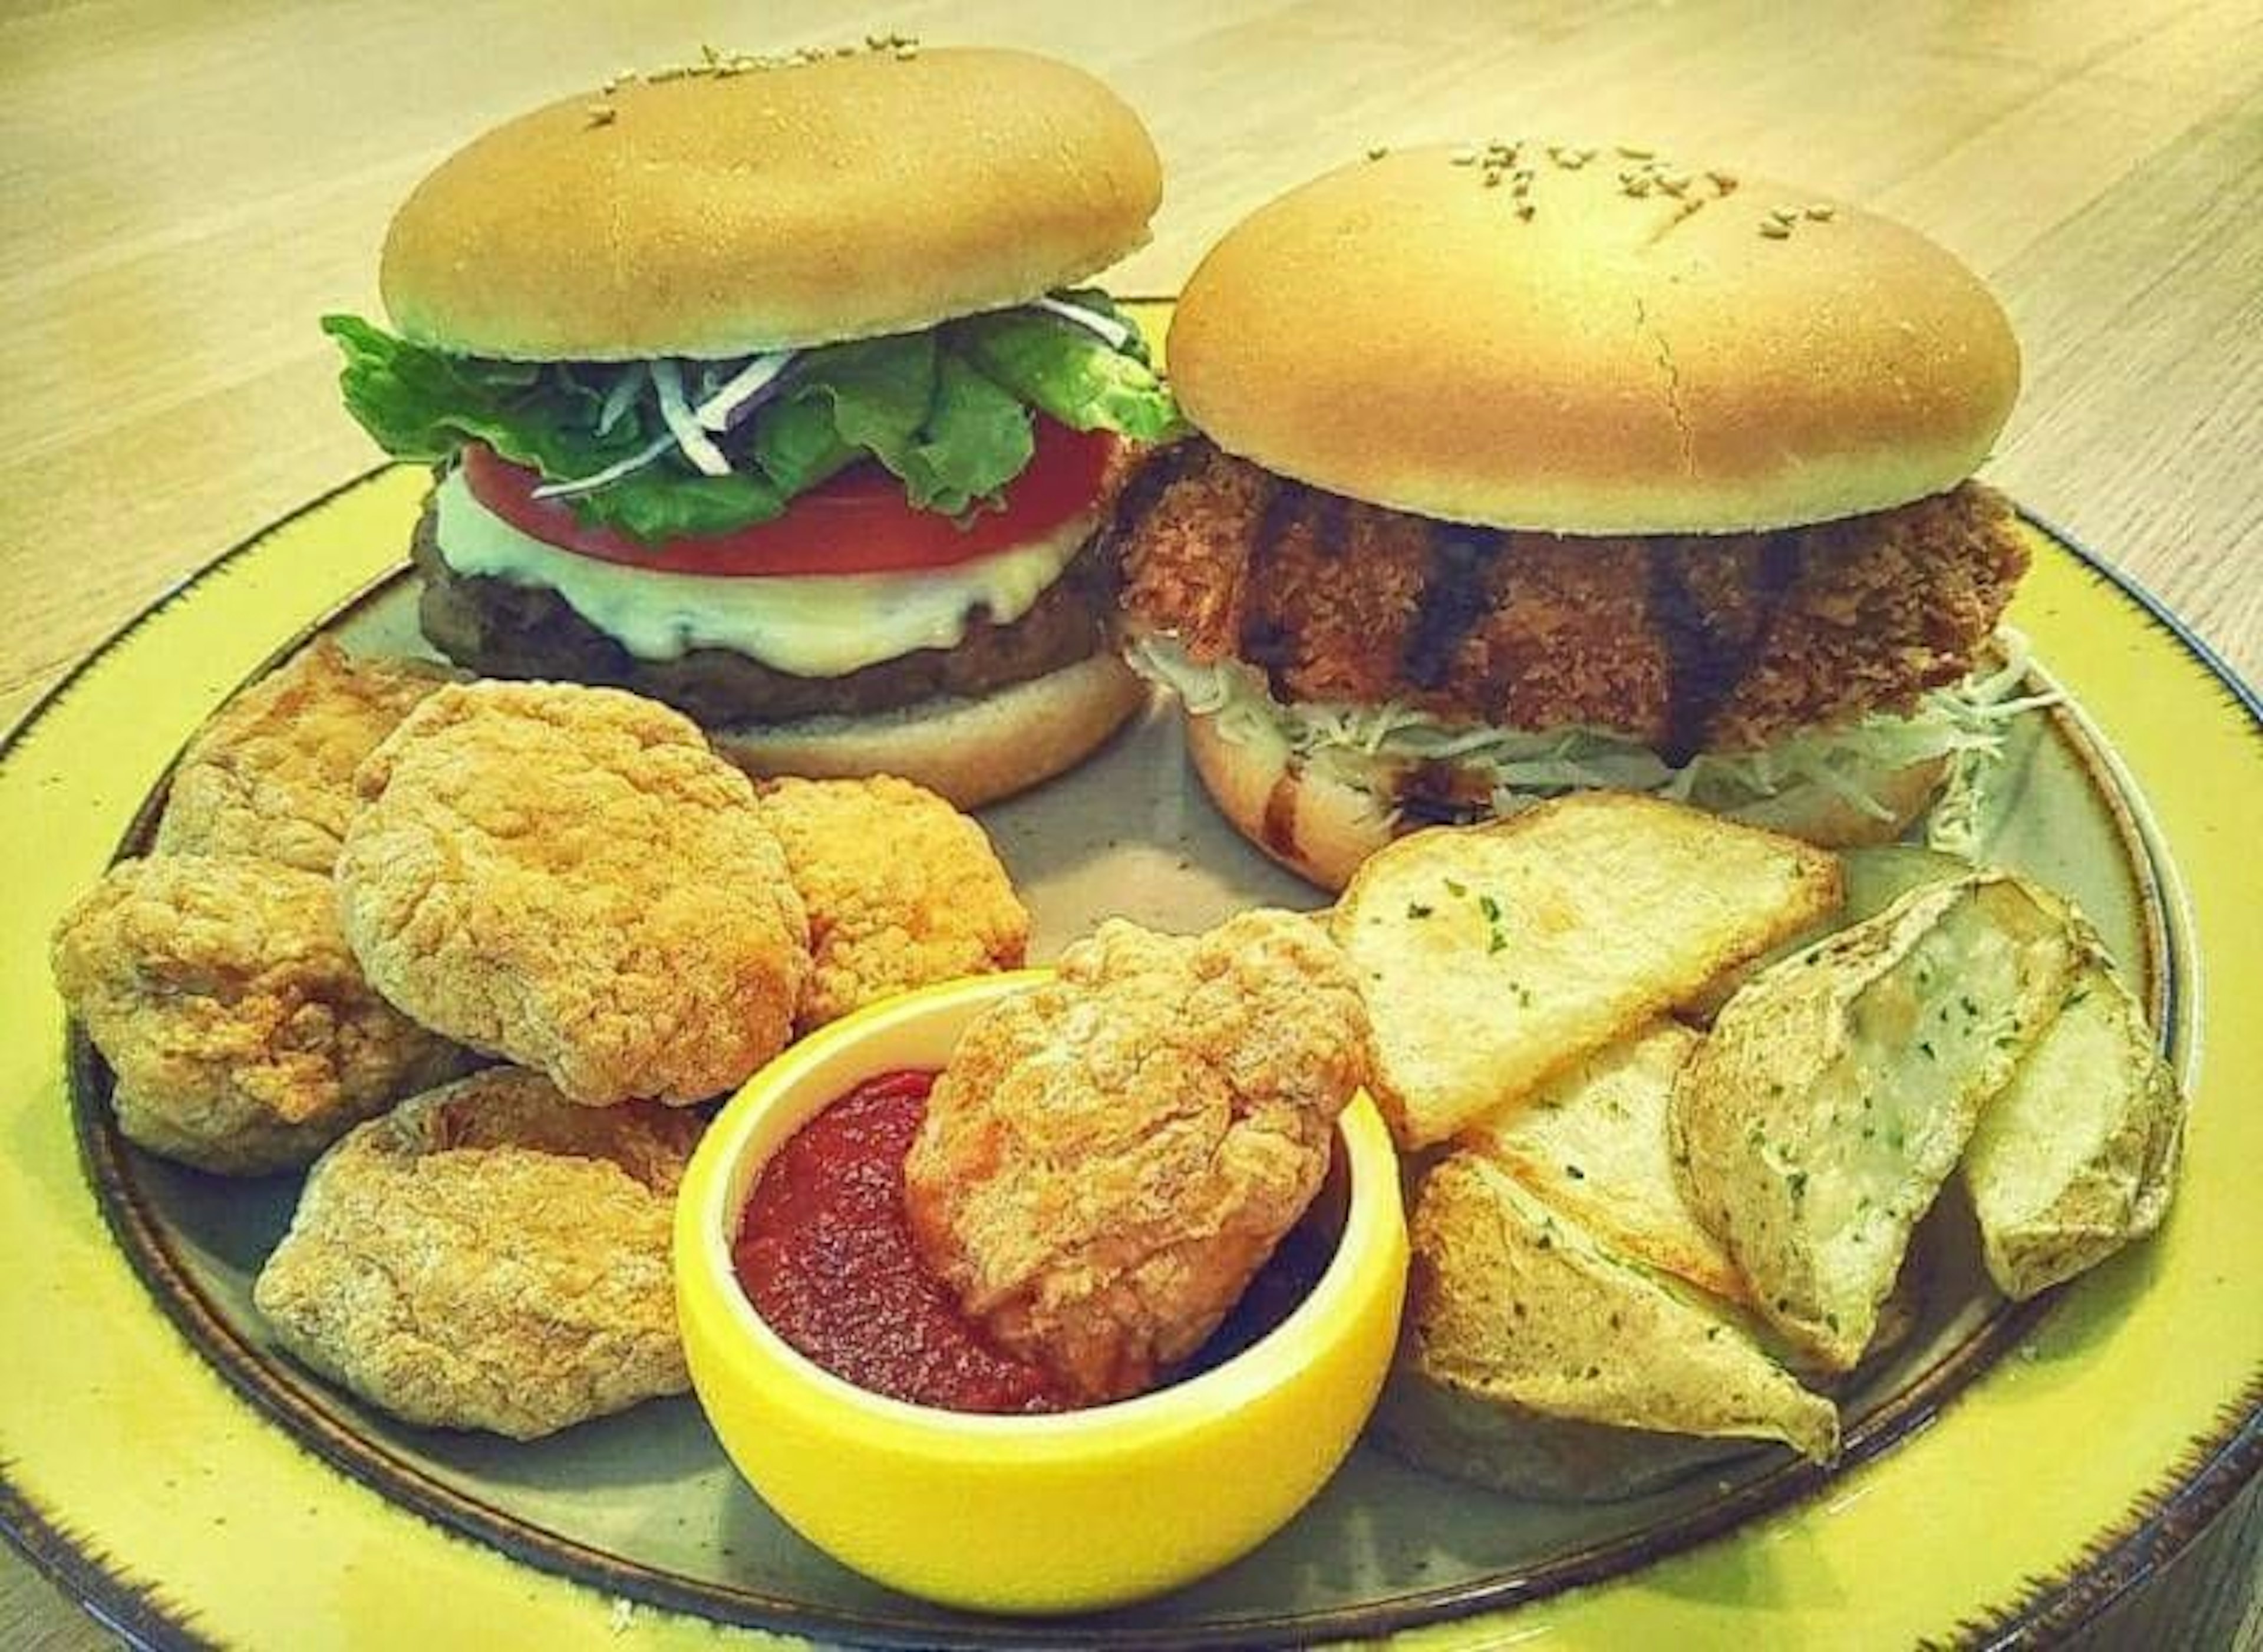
[768, 387]
[1526, 468]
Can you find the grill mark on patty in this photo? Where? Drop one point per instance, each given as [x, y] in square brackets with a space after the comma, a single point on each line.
[1697, 675]
[1703, 667]
[1142, 495]
[1267, 641]
[1456, 598]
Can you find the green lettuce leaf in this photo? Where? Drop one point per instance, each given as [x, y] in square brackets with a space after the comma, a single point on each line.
[422, 404]
[948, 411]
[1066, 371]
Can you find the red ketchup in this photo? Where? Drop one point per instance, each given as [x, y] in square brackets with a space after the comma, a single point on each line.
[825, 1253]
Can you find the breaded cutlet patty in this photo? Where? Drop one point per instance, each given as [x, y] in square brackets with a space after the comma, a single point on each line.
[1687, 644]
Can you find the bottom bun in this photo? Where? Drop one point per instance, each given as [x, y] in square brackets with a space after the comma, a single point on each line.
[972, 752]
[1321, 828]
[1318, 827]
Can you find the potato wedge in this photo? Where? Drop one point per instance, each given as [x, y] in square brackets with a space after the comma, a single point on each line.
[1875, 878]
[1494, 956]
[1516, 1306]
[2077, 1155]
[1838, 1090]
[1593, 1143]
[1493, 1441]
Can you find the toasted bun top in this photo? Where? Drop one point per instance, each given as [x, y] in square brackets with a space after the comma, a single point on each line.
[1652, 348]
[715, 214]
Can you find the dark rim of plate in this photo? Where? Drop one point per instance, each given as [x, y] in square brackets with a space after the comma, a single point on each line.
[2161, 1523]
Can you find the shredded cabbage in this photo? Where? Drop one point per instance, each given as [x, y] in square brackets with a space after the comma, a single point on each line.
[1368, 746]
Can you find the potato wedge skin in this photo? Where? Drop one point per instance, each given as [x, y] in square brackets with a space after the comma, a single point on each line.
[1516, 1306]
[1877, 876]
[1593, 1144]
[1494, 955]
[1492, 1441]
[1838, 1089]
[2077, 1155]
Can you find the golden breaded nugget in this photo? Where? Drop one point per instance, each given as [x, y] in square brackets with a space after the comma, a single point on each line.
[902, 890]
[569, 877]
[1109, 1157]
[242, 1034]
[272, 774]
[490, 1256]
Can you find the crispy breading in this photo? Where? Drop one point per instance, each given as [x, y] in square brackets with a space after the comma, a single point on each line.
[1109, 1158]
[272, 774]
[569, 878]
[902, 888]
[490, 1256]
[1715, 642]
[243, 1037]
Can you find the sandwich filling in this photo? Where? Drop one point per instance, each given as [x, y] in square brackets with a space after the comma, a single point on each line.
[807, 625]
[1453, 670]
[843, 530]
[670, 450]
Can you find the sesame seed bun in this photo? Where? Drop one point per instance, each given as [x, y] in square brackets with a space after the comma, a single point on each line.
[1321, 829]
[1613, 363]
[712, 216]
[971, 751]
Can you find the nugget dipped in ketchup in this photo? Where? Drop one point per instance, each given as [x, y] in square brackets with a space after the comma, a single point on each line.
[1109, 1158]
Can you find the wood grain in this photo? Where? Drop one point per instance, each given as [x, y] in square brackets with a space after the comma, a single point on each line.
[187, 187]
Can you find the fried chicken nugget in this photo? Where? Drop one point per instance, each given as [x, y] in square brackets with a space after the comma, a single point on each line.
[568, 877]
[489, 1256]
[221, 993]
[902, 890]
[272, 774]
[1109, 1158]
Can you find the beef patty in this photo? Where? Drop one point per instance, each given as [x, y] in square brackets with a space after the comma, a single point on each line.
[501, 629]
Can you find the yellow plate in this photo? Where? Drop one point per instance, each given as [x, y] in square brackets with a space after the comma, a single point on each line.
[171, 1483]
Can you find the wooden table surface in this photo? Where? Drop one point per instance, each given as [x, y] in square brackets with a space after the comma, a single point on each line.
[186, 186]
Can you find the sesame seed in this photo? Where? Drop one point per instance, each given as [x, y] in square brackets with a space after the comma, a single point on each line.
[1492, 180]
[1776, 231]
[601, 114]
[1525, 209]
[907, 52]
[1725, 182]
[1823, 212]
[1377, 152]
[1465, 156]
[1783, 215]
[1635, 153]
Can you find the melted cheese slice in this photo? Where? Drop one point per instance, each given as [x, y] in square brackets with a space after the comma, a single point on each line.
[821, 625]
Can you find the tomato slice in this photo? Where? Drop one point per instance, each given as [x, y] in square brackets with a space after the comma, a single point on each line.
[857, 523]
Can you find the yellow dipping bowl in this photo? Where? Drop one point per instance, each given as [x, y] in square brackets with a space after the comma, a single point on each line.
[1067, 1512]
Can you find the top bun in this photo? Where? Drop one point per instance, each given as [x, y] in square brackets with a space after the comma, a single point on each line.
[1653, 349]
[712, 215]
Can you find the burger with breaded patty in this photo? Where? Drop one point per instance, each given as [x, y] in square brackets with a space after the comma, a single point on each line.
[1524, 469]
[764, 386]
